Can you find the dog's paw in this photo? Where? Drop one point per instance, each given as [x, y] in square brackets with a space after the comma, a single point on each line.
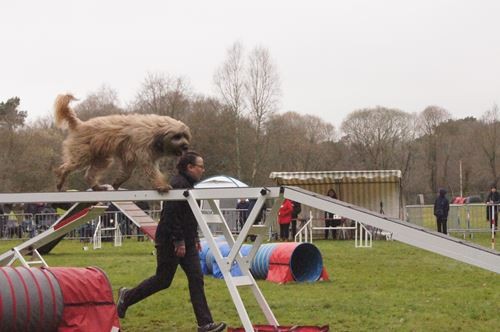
[99, 188]
[163, 189]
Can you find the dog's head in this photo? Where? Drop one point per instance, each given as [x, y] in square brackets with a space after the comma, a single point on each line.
[174, 142]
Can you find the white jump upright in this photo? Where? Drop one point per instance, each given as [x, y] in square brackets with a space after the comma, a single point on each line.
[97, 236]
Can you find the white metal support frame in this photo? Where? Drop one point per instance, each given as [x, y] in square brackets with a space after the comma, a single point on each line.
[36, 258]
[234, 256]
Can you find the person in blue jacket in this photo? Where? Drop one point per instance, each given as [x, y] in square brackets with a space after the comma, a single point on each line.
[441, 209]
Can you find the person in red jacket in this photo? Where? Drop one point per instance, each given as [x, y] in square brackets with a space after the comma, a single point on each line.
[284, 219]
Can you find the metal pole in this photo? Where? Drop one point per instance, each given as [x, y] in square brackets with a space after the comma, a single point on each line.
[461, 192]
[493, 208]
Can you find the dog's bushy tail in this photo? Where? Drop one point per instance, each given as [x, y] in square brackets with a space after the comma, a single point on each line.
[64, 115]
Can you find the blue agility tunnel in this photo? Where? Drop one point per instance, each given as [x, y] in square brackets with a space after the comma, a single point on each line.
[288, 261]
[224, 248]
[260, 263]
[306, 263]
[279, 262]
[203, 255]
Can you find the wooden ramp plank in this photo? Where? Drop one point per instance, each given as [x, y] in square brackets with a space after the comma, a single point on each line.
[140, 218]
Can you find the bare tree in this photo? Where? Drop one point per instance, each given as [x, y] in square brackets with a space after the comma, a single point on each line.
[263, 92]
[178, 98]
[299, 143]
[102, 102]
[11, 120]
[286, 135]
[374, 135]
[489, 139]
[229, 80]
[317, 131]
[428, 123]
[163, 95]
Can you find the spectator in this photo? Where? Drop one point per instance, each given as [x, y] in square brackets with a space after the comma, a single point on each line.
[492, 202]
[441, 208]
[13, 222]
[331, 219]
[29, 220]
[284, 219]
[242, 210]
[260, 216]
[49, 216]
[39, 216]
[177, 243]
[297, 208]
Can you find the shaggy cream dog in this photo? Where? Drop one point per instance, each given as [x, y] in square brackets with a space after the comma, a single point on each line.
[126, 140]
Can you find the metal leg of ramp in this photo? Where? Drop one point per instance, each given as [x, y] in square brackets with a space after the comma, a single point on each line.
[69, 221]
[225, 263]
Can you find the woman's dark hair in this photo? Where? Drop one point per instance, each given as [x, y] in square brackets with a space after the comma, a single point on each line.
[331, 190]
[188, 158]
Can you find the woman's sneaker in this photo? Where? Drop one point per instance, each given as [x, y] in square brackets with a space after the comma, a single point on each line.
[121, 308]
[212, 327]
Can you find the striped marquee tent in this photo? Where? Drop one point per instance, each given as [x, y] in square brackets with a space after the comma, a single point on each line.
[378, 190]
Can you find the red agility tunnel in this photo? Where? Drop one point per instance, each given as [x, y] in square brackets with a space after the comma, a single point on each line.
[56, 299]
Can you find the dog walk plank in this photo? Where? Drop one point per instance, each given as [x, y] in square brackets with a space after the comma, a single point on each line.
[140, 218]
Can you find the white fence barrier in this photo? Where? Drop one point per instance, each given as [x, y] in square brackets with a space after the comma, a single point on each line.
[362, 236]
[462, 218]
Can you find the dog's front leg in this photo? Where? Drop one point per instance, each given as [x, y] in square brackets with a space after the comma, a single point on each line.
[157, 179]
[124, 174]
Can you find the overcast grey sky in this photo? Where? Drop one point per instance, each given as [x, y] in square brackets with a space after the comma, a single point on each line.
[333, 56]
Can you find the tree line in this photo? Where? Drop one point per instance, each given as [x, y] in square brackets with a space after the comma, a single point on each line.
[241, 132]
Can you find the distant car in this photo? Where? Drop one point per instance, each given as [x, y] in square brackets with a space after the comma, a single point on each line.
[474, 199]
[467, 199]
[459, 200]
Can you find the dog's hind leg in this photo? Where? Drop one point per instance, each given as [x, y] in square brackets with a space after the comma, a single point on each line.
[123, 175]
[93, 173]
[62, 172]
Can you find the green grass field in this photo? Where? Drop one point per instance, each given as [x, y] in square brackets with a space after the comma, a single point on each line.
[390, 287]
